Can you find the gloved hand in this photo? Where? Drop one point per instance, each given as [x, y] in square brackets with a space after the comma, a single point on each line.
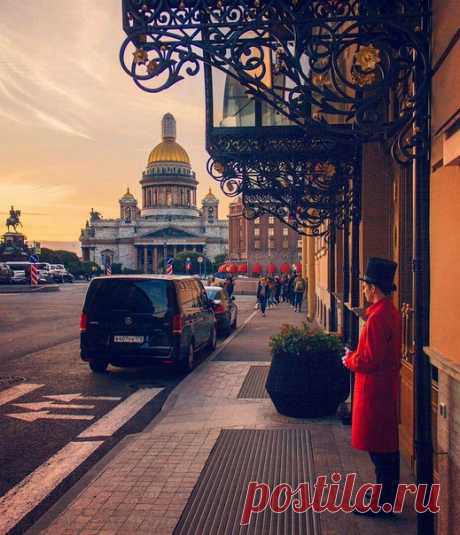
[345, 357]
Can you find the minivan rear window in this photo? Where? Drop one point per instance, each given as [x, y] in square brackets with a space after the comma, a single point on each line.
[135, 296]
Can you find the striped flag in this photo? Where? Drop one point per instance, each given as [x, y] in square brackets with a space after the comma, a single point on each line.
[34, 274]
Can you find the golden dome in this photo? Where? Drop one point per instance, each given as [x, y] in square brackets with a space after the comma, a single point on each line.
[128, 197]
[168, 151]
[210, 196]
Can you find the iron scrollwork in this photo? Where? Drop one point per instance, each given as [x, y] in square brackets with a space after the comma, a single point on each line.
[311, 196]
[341, 60]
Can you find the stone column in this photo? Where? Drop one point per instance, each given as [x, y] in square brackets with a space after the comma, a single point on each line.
[174, 251]
[155, 260]
[145, 259]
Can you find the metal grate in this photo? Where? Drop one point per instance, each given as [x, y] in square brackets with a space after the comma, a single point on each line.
[253, 386]
[269, 456]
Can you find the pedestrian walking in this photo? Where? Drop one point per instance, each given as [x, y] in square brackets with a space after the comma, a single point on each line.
[277, 290]
[285, 288]
[291, 288]
[376, 364]
[271, 293]
[262, 294]
[299, 290]
[230, 286]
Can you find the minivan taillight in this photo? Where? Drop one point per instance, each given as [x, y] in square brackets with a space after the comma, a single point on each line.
[219, 308]
[83, 322]
[177, 323]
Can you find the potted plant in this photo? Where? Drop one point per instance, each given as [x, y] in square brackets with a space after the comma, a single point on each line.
[306, 377]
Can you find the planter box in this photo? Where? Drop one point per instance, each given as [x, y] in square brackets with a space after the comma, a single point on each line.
[307, 386]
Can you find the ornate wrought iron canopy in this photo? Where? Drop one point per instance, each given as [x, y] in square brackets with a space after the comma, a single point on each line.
[342, 61]
[338, 71]
[309, 183]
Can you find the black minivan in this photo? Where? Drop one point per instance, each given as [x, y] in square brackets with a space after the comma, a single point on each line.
[140, 319]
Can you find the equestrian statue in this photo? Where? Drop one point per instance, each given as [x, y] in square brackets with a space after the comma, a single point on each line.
[13, 220]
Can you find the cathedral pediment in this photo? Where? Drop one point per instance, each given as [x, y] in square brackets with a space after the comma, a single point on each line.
[170, 232]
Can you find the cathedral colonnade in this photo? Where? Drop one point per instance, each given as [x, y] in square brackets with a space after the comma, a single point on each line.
[150, 257]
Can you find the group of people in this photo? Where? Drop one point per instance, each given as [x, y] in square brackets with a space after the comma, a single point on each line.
[288, 288]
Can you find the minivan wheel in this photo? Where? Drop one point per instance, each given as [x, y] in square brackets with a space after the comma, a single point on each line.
[188, 362]
[98, 366]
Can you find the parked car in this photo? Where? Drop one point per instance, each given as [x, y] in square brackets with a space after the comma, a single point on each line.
[141, 319]
[19, 272]
[45, 272]
[60, 273]
[6, 273]
[225, 309]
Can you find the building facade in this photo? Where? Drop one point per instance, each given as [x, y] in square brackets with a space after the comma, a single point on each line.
[387, 229]
[265, 240]
[168, 222]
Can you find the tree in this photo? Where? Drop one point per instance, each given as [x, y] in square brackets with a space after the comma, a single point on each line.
[181, 259]
[218, 261]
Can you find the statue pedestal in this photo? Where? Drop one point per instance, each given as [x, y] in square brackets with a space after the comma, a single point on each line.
[13, 247]
[14, 239]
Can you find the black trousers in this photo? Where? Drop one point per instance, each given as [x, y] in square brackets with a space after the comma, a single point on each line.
[387, 474]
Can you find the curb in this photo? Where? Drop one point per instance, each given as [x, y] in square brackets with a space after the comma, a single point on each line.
[28, 289]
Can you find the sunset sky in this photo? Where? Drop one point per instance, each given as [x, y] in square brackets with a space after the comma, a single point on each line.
[75, 129]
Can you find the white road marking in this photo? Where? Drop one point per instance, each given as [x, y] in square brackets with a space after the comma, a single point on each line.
[71, 397]
[117, 417]
[40, 405]
[231, 337]
[10, 394]
[32, 416]
[34, 488]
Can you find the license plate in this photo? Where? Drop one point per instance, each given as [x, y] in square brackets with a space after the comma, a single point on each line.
[129, 339]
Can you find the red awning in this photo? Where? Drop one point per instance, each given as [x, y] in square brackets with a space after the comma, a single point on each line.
[242, 268]
[271, 268]
[232, 268]
[256, 268]
[221, 268]
[285, 268]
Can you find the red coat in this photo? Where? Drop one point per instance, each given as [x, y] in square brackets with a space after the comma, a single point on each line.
[376, 364]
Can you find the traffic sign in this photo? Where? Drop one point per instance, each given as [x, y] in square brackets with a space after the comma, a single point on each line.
[200, 259]
[33, 258]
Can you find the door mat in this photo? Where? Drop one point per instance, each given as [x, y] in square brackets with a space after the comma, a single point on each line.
[253, 386]
[269, 456]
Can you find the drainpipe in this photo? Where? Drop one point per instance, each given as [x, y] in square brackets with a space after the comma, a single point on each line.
[311, 277]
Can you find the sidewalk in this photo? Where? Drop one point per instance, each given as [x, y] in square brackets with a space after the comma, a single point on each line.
[152, 481]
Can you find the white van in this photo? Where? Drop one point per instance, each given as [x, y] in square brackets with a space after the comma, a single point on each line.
[19, 272]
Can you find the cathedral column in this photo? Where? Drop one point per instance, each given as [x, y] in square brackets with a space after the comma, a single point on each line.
[145, 259]
[155, 260]
[174, 251]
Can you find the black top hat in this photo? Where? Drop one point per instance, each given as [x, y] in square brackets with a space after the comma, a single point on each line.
[381, 272]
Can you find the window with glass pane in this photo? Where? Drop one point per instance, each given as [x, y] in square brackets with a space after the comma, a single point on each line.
[271, 220]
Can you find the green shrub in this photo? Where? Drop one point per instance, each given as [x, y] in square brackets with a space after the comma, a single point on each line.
[304, 340]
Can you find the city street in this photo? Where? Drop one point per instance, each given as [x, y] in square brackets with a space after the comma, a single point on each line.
[50, 400]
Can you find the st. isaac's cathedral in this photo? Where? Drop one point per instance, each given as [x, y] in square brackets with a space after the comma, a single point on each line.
[169, 221]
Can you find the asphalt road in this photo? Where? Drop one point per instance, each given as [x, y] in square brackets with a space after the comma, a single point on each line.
[30, 322]
[39, 359]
